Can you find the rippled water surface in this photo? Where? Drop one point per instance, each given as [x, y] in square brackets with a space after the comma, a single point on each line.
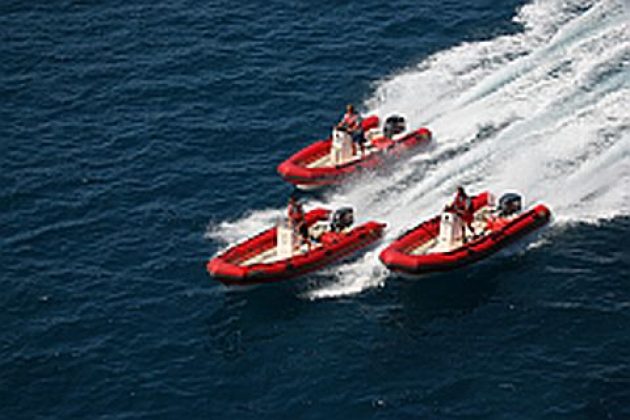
[140, 138]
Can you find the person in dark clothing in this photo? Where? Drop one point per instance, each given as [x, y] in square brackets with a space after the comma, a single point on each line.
[462, 206]
[351, 123]
[295, 213]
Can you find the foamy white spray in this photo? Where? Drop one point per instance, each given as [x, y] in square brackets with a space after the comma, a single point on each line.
[545, 112]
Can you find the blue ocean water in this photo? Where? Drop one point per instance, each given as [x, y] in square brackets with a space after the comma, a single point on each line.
[139, 138]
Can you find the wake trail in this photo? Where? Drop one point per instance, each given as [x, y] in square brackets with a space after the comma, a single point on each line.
[544, 112]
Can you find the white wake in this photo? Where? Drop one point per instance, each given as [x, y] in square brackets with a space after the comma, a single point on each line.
[545, 112]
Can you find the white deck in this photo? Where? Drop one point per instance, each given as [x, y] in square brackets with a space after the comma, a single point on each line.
[271, 255]
[479, 225]
[326, 162]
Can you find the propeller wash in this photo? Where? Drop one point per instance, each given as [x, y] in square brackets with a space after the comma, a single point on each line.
[545, 111]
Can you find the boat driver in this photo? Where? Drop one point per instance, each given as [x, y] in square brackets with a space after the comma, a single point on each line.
[462, 206]
[295, 213]
[351, 123]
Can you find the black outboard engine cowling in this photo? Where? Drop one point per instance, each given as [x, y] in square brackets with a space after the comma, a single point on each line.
[343, 218]
[394, 124]
[509, 204]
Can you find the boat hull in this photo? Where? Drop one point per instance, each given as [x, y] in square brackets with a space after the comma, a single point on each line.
[229, 267]
[398, 258]
[298, 169]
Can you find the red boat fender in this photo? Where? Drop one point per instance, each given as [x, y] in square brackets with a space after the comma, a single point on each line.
[495, 223]
[424, 133]
[382, 143]
[329, 238]
[370, 123]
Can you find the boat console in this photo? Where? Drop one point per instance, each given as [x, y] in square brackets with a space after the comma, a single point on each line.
[341, 150]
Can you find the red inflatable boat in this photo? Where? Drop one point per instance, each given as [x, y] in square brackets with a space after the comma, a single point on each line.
[276, 254]
[331, 161]
[444, 242]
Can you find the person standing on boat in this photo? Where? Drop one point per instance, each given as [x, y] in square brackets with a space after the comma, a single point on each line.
[351, 122]
[295, 213]
[462, 206]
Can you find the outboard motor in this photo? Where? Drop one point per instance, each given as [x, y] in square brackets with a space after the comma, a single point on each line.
[394, 124]
[343, 218]
[509, 204]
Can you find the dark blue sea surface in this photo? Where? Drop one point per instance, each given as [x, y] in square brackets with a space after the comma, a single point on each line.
[130, 129]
